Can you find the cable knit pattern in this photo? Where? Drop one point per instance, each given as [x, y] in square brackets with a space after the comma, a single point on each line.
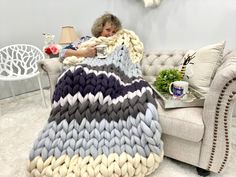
[103, 122]
[122, 37]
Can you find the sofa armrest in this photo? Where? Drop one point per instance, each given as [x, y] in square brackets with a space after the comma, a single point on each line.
[217, 117]
[53, 68]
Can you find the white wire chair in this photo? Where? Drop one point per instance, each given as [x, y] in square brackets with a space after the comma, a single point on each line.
[19, 62]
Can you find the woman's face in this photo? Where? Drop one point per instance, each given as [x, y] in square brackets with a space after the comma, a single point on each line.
[108, 30]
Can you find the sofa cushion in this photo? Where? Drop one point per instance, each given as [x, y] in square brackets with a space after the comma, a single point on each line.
[185, 123]
[201, 69]
[153, 62]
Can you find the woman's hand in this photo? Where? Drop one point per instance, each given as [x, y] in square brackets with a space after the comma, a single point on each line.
[89, 51]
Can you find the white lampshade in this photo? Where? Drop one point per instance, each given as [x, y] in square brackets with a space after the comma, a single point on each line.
[68, 35]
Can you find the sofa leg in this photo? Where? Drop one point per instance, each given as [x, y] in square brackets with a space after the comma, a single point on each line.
[202, 172]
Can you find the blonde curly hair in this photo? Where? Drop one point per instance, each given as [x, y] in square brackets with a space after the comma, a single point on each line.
[101, 21]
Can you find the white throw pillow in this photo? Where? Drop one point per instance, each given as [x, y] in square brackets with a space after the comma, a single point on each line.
[201, 69]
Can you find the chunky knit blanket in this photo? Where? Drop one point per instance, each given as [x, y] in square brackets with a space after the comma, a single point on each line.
[122, 37]
[103, 123]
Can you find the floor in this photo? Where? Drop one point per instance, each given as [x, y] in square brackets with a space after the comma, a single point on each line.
[23, 118]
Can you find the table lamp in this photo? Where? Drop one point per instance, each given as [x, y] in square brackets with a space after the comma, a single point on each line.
[68, 35]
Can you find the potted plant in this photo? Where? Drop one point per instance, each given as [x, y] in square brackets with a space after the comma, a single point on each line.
[165, 77]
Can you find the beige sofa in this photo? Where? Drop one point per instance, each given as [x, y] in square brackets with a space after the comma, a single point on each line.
[199, 136]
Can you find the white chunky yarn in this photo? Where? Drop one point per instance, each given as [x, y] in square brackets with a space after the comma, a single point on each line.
[72, 61]
[122, 37]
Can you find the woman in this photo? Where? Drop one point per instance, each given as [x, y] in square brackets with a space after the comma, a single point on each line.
[103, 120]
[106, 26]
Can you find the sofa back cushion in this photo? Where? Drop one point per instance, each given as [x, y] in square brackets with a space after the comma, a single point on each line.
[203, 66]
[154, 62]
[229, 55]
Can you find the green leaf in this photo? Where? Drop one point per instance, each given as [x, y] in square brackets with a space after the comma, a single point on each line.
[165, 77]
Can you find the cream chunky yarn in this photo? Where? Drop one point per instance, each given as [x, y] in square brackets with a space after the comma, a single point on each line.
[122, 37]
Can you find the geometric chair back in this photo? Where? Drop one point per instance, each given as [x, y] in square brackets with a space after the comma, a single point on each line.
[19, 62]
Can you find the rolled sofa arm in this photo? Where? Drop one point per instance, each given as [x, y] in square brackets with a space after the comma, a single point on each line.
[53, 68]
[217, 117]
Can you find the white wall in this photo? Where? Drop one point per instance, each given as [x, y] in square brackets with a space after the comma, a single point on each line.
[174, 24]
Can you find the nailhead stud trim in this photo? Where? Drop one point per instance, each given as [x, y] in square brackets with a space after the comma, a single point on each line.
[226, 133]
